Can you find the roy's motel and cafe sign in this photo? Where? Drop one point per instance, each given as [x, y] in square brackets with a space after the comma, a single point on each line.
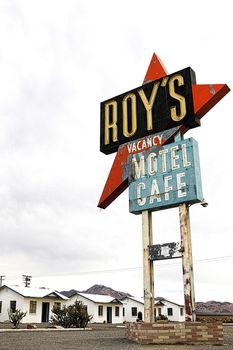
[145, 126]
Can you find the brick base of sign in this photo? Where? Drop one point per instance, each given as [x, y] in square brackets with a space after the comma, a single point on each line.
[176, 333]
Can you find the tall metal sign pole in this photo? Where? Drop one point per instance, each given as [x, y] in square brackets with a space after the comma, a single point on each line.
[145, 126]
[187, 263]
[187, 259]
[148, 271]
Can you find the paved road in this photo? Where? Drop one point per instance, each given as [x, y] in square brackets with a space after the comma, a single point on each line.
[100, 338]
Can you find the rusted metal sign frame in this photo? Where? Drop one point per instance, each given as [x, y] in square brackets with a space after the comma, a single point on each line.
[165, 251]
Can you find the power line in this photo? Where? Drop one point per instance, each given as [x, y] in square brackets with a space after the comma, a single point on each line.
[138, 268]
[206, 260]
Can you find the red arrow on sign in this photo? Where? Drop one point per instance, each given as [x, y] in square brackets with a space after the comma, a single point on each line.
[205, 97]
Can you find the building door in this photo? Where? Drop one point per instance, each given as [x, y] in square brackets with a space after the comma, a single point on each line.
[109, 314]
[45, 312]
[139, 316]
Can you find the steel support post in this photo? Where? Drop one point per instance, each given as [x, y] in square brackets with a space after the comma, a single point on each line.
[148, 271]
[187, 263]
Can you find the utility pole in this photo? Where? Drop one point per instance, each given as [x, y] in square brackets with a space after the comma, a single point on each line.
[1, 280]
[27, 280]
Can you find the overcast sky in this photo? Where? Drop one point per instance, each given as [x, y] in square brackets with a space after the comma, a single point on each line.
[58, 60]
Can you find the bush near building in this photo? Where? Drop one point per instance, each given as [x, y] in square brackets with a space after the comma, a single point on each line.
[74, 315]
[16, 316]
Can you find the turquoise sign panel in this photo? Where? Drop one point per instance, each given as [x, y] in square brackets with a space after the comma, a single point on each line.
[164, 177]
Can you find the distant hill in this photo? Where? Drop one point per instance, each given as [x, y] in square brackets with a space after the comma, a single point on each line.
[207, 307]
[98, 289]
[214, 307]
[69, 293]
[103, 290]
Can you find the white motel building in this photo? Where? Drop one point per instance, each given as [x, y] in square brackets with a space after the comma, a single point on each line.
[38, 303]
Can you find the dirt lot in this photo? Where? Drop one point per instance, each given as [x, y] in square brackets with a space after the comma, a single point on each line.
[99, 338]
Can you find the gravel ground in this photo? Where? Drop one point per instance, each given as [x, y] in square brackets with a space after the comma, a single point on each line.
[99, 338]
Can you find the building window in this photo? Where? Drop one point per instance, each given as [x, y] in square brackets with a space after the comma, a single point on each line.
[123, 312]
[159, 311]
[85, 307]
[0, 307]
[169, 311]
[32, 307]
[57, 305]
[117, 311]
[12, 305]
[181, 311]
[100, 310]
[134, 311]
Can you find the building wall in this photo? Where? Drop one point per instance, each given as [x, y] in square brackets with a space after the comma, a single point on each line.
[92, 309]
[6, 295]
[128, 304]
[176, 313]
[37, 317]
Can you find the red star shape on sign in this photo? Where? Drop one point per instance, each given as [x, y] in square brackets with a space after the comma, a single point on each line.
[204, 97]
